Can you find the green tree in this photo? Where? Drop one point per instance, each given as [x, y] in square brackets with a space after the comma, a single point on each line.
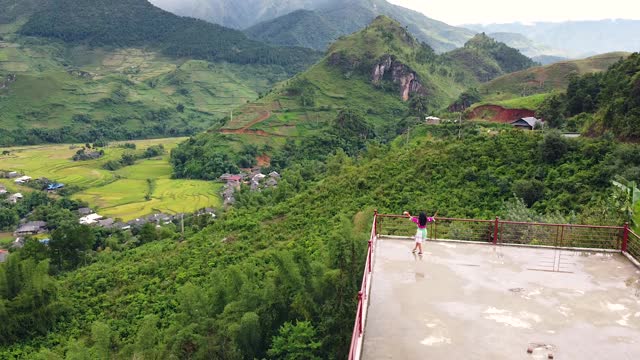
[551, 110]
[249, 337]
[34, 249]
[553, 147]
[69, 245]
[148, 233]
[295, 342]
[28, 299]
[101, 337]
[147, 338]
[628, 197]
[529, 190]
[419, 105]
[8, 218]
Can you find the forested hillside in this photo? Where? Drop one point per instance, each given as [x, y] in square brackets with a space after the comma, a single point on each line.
[277, 276]
[487, 58]
[121, 70]
[138, 23]
[602, 102]
[371, 85]
[293, 30]
[15, 9]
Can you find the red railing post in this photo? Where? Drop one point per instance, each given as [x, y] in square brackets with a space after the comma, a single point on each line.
[375, 222]
[625, 237]
[370, 254]
[495, 231]
[360, 305]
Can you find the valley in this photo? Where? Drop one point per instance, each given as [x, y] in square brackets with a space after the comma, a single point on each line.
[116, 194]
[119, 122]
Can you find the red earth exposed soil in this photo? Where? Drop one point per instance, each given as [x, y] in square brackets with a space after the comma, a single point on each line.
[499, 114]
[248, 132]
[263, 160]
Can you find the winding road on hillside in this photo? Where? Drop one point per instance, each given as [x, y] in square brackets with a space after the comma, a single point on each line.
[246, 129]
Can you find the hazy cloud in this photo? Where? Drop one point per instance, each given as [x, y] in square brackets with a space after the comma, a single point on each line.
[456, 12]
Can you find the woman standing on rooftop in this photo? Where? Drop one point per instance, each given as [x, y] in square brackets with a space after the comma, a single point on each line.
[421, 233]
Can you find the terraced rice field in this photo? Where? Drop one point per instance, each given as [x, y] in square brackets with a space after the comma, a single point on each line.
[169, 196]
[118, 194]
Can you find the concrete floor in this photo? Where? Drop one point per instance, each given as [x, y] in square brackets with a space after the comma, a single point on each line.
[471, 301]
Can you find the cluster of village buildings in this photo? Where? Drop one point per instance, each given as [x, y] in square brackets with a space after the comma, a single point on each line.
[24, 179]
[89, 217]
[255, 179]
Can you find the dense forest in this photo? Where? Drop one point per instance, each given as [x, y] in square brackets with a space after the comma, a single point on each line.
[600, 102]
[123, 23]
[253, 285]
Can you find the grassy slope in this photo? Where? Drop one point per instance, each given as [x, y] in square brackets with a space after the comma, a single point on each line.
[118, 193]
[335, 89]
[544, 79]
[47, 95]
[531, 102]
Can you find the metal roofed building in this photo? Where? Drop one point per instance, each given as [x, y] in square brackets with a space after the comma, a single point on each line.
[528, 123]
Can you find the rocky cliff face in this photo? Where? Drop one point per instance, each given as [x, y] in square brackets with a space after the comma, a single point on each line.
[407, 79]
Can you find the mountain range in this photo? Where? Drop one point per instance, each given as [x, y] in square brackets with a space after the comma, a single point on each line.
[78, 71]
[575, 39]
[330, 18]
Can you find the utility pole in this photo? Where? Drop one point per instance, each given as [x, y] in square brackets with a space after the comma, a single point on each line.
[182, 225]
[460, 126]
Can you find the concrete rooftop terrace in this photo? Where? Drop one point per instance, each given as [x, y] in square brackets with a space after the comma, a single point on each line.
[476, 301]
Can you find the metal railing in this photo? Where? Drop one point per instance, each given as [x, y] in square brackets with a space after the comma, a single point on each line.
[363, 297]
[511, 232]
[497, 232]
[632, 245]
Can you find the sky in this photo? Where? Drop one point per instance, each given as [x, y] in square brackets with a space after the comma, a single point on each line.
[457, 12]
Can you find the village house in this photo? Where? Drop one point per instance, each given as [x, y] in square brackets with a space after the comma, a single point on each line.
[15, 198]
[271, 182]
[3, 190]
[137, 222]
[90, 219]
[106, 223]
[23, 179]
[206, 211]
[31, 228]
[274, 175]
[527, 123]
[227, 195]
[4, 254]
[432, 120]
[12, 174]
[54, 186]
[160, 218]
